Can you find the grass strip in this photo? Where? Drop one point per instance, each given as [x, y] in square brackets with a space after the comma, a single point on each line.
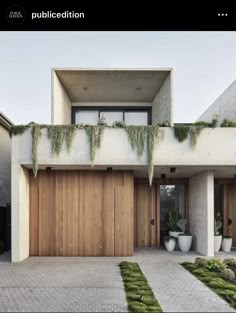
[214, 281]
[139, 294]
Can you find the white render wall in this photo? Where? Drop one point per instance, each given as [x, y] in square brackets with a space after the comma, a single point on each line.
[162, 106]
[201, 212]
[61, 104]
[212, 149]
[224, 106]
[5, 167]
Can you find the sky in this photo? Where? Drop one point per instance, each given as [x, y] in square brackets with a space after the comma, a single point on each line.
[204, 65]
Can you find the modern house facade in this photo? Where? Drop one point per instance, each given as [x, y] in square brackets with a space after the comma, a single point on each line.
[5, 160]
[107, 206]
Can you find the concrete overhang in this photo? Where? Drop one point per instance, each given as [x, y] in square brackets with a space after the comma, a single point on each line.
[5, 122]
[113, 84]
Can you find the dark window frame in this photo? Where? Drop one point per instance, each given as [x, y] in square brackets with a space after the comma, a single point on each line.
[100, 109]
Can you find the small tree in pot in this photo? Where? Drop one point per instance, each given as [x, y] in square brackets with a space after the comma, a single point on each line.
[227, 240]
[184, 239]
[174, 216]
[217, 235]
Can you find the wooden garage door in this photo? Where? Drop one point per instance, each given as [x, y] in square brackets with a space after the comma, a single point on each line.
[81, 213]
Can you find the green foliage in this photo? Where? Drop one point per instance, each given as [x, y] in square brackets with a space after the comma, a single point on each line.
[212, 124]
[182, 224]
[18, 130]
[194, 132]
[181, 132]
[217, 223]
[139, 295]
[164, 124]
[216, 280]
[36, 135]
[230, 262]
[56, 135]
[102, 121]
[215, 265]
[119, 124]
[136, 136]
[173, 218]
[153, 134]
[94, 133]
[228, 123]
[228, 273]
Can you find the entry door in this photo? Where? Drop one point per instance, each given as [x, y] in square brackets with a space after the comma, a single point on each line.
[147, 217]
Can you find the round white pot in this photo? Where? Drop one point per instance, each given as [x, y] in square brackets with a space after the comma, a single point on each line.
[227, 244]
[185, 242]
[217, 242]
[170, 244]
[175, 234]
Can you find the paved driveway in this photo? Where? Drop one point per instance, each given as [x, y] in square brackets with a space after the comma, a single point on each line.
[58, 284]
[61, 284]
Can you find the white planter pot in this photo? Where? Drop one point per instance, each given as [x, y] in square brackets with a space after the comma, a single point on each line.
[217, 242]
[175, 234]
[226, 244]
[170, 244]
[185, 242]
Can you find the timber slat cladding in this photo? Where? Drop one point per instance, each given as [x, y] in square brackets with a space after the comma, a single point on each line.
[147, 208]
[81, 213]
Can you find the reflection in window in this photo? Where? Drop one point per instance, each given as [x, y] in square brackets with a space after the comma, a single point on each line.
[111, 117]
[136, 118]
[86, 117]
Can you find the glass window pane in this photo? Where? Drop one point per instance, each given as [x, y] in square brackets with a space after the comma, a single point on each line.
[111, 117]
[136, 118]
[86, 117]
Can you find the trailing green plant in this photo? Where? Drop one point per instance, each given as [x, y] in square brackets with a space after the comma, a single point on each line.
[36, 135]
[153, 134]
[181, 132]
[56, 135]
[94, 133]
[228, 123]
[194, 132]
[137, 136]
[20, 129]
[139, 294]
[212, 124]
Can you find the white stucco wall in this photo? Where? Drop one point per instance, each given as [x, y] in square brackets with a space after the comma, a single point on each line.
[162, 106]
[5, 167]
[61, 104]
[224, 106]
[201, 212]
[212, 149]
[20, 207]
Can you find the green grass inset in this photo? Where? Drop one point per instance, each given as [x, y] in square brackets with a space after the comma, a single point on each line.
[223, 288]
[139, 294]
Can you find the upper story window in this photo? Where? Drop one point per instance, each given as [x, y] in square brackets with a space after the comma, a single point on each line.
[130, 116]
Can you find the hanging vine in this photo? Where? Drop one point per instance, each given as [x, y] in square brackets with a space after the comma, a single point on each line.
[136, 136]
[94, 133]
[36, 135]
[153, 135]
[181, 132]
[194, 132]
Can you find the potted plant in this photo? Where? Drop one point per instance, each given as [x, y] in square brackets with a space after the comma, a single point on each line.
[184, 239]
[174, 217]
[217, 235]
[170, 243]
[227, 240]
